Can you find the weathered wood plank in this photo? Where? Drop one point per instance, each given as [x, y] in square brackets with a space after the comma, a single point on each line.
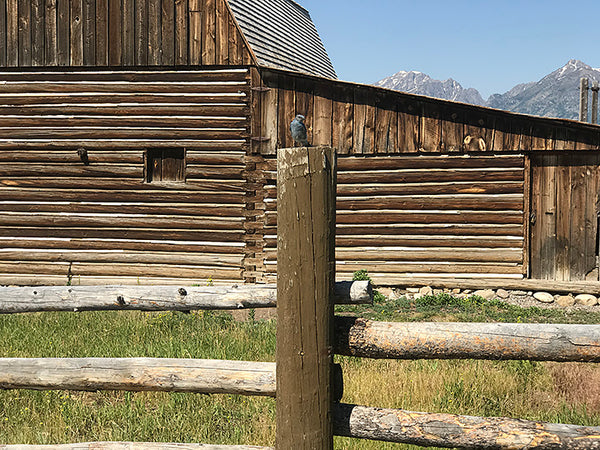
[130, 446]
[37, 33]
[139, 374]
[141, 32]
[88, 20]
[448, 430]
[128, 33]
[306, 199]
[154, 32]
[221, 33]
[101, 32]
[491, 341]
[196, 31]
[3, 34]
[24, 33]
[76, 36]
[183, 40]
[208, 25]
[168, 32]
[160, 298]
[323, 117]
[115, 32]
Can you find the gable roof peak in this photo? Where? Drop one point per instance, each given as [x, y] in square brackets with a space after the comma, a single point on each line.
[282, 35]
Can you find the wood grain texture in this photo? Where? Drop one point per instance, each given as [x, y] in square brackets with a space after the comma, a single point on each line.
[304, 289]
[368, 120]
[536, 342]
[448, 430]
[116, 218]
[423, 214]
[130, 446]
[161, 298]
[139, 374]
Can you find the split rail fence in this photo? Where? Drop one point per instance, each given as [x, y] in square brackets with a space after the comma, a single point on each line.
[306, 383]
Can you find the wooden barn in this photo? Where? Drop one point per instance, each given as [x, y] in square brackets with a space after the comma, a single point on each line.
[139, 140]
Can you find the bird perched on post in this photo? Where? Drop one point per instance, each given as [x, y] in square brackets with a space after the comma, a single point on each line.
[298, 130]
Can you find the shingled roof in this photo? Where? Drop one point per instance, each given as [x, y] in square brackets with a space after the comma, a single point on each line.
[283, 35]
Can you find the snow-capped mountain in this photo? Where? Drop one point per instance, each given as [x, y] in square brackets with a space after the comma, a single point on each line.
[422, 84]
[555, 95]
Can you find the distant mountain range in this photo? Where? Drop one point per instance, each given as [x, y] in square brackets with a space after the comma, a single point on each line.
[555, 95]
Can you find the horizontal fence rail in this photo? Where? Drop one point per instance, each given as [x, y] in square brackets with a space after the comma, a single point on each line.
[159, 298]
[131, 446]
[491, 341]
[139, 374]
[449, 430]
[251, 378]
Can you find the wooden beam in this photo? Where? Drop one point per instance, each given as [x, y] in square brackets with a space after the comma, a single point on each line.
[595, 89]
[583, 100]
[159, 298]
[449, 430]
[139, 374]
[305, 280]
[131, 446]
[573, 287]
[492, 341]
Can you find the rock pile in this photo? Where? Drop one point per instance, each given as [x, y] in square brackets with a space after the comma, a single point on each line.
[521, 298]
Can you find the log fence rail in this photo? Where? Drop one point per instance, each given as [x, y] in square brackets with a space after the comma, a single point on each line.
[306, 343]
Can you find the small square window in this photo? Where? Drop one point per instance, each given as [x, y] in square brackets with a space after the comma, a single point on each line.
[165, 164]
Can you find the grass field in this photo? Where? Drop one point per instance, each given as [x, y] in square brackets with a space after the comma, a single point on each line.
[568, 393]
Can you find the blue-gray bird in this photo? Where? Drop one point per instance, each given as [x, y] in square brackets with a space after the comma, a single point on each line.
[298, 130]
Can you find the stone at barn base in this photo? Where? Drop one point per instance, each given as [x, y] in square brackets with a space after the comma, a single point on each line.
[586, 300]
[426, 290]
[544, 297]
[388, 293]
[486, 294]
[501, 293]
[565, 301]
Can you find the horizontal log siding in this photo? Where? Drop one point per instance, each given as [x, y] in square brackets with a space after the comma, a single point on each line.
[124, 33]
[358, 119]
[62, 219]
[433, 216]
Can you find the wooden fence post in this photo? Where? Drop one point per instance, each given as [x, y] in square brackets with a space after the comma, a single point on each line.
[595, 89]
[583, 100]
[306, 180]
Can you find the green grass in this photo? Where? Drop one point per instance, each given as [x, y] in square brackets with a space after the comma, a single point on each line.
[549, 392]
[446, 307]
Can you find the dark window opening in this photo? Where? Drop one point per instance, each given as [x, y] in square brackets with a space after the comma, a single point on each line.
[165, 164]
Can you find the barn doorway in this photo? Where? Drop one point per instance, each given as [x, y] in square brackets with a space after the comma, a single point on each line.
[564, 216]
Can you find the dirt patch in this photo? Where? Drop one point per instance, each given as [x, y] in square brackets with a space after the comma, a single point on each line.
[578, 383]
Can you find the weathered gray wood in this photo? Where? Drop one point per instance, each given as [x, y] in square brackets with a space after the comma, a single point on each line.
[305, 284]
[159, 298]
[583, 100]
[453, 431]
[595, 89]
[493, 341]
[131, 446]
[139, 374]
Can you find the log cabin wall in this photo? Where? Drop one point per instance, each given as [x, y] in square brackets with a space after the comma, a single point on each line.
[128, 177]
[101, 33]
[426, 187]
[421, 216]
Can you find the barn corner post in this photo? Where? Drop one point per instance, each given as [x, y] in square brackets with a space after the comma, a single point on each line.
[306, 180]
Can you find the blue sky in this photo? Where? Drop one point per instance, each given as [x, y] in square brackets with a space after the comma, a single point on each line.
[490, 45]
